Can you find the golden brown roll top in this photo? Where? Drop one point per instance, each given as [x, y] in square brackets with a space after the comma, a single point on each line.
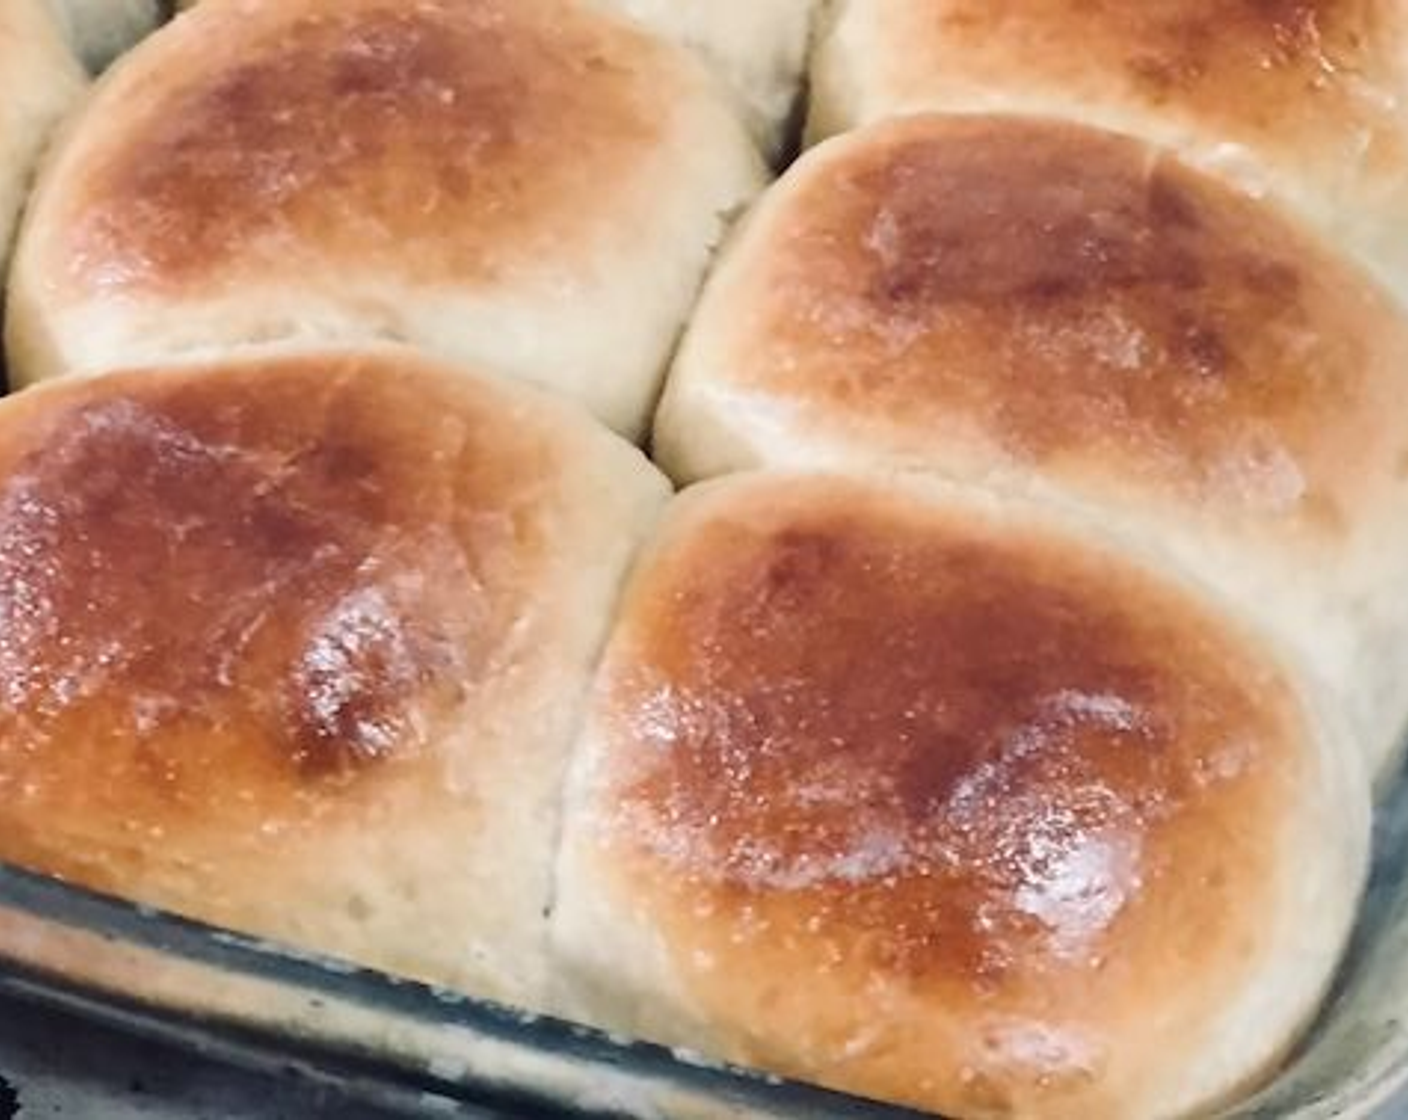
[1047, 308]
[39, 82]
[915, 794]
[532, 187]
[296, 647]
[1304, 99]
[756, 48]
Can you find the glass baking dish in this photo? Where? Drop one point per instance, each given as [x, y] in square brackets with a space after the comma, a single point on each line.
[410, 1046]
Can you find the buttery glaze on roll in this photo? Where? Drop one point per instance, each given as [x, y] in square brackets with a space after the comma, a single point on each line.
[297, 646]
[39, 82]
[1306, 100]
[918, 795]
[527, 186]
[1047, 308]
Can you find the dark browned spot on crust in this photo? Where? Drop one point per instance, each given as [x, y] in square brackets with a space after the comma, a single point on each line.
[248, 585]
[127, 501]
[850, 706]
[430, 135]
[922, 751]
[1069, 296]
[1183, 47]
[1003, 223]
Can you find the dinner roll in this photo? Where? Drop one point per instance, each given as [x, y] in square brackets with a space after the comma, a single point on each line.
[528, 186]
[1303, 99]
[757, 47]
[922, 795]
[1046, 308]
[296, 646]
[39, 82]
[100, 30]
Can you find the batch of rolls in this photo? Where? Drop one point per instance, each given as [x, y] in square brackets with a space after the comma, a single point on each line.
[985, 712]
